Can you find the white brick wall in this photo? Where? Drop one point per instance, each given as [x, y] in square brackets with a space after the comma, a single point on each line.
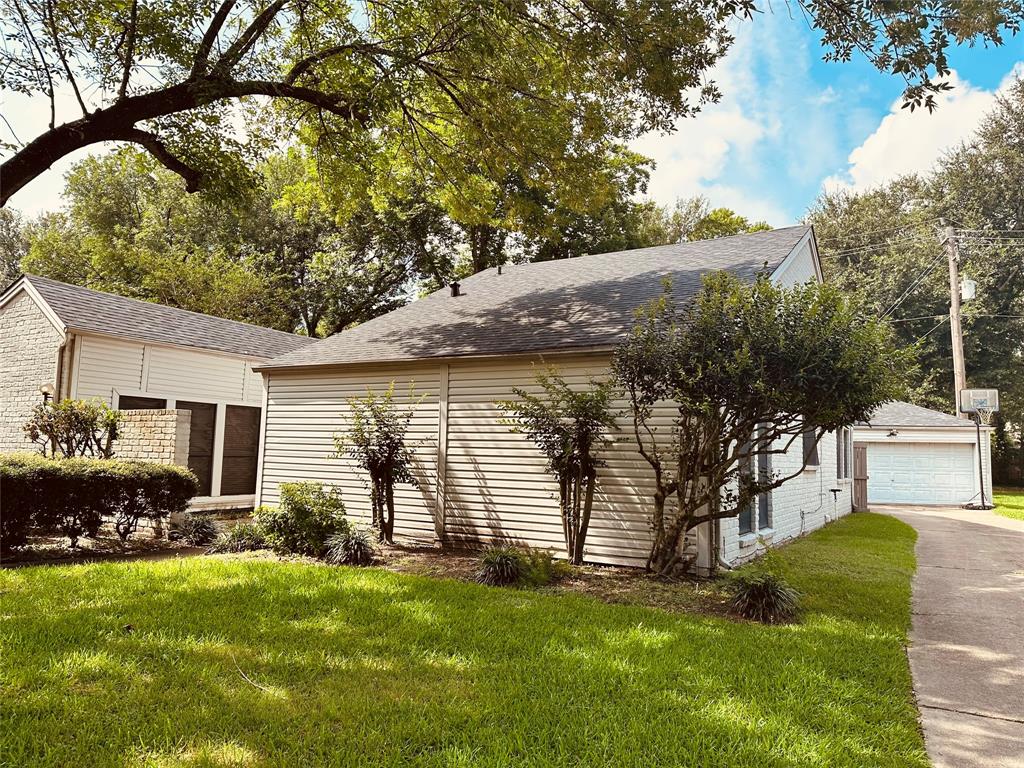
[28, 358]
[160, 436]
[799, 506]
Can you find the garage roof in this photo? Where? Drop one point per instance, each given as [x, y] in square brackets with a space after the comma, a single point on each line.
[85, 310]
[897, 413]
[582, 303]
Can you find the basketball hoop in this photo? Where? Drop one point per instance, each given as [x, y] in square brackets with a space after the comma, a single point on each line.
[984, 415]
[980, 404]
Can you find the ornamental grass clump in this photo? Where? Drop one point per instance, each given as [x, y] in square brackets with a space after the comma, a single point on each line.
[764, 597]
[244, 537]
[197, 528]
[502, 566]
[354, 546]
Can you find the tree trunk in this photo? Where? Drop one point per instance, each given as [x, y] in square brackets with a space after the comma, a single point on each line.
[588, 504]
[389, 522]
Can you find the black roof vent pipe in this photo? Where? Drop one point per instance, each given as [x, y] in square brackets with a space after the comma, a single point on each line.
[455, 289]
[499, 269]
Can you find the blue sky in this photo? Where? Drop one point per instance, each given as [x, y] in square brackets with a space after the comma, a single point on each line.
[788, 124]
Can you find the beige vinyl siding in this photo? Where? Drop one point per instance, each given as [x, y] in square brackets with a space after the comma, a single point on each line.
[496, 482]
[105, 365]
[800, 268]
[194, 375]
[305, 411]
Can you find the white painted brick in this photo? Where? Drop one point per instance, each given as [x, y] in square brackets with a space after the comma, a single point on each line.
[28, 358]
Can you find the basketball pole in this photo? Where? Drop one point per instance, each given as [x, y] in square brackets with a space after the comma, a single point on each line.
[956, 332]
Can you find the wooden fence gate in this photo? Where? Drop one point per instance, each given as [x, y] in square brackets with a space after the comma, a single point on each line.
[860, 477]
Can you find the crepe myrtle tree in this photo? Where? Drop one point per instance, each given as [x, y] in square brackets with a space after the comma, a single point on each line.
[377, 439]
[569, 427]
[748, 369]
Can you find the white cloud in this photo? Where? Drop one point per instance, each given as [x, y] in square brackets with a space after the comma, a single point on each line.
[911, 142]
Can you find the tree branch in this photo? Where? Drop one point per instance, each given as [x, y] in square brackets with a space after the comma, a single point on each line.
[129, 53]
[202, 57]
[238, 49]
[152, 143]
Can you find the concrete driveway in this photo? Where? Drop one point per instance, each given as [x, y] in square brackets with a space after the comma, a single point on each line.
[967, 642]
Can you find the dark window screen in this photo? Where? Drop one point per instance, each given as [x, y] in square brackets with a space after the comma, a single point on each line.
[200, 442]
[241, 447]
[129, 403]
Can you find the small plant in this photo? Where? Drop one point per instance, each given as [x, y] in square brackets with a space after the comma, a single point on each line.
[764, 597]
[307, 516]
[503, 566]
[197, 528]
[244, 537]
[354, 546]
[543, 568]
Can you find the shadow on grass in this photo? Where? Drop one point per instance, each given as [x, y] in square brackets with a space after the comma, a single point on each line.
[219, 662]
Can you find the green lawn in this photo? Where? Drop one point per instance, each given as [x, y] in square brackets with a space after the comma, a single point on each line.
[143, 664]
[1009, 502]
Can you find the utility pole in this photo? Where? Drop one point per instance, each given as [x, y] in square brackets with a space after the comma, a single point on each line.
[959, 371]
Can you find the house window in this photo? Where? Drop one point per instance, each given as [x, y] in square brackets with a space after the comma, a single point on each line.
[746, 516]
[764, 472]
[844, 453]
[761, 463]
[810, 440]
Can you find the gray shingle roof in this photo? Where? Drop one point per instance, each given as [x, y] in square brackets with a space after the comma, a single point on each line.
[86, 310]
[896, 413]
[556, 305]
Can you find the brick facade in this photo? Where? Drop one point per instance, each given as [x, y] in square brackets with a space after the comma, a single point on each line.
[29, 346]
[160, 436]
[799, 506]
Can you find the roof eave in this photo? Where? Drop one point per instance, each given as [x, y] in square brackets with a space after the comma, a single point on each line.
[582, 350]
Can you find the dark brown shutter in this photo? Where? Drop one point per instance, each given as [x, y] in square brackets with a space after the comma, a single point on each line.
[241, 448]
[200, 442]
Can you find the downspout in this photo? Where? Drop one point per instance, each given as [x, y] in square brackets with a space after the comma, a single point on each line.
[716, 546]
[58, 382]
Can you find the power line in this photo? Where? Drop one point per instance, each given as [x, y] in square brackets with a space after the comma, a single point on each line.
[895, 229]
[906, 293]
[878, 246]
[934, 328]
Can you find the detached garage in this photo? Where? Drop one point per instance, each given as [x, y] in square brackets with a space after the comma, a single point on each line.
[915, 455]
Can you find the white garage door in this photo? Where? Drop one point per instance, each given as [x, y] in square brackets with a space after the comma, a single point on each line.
[921, 473]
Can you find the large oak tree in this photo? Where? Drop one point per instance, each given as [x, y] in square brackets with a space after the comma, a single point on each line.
[464, 94]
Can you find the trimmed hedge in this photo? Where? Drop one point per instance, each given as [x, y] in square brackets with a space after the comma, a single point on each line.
[72, 496]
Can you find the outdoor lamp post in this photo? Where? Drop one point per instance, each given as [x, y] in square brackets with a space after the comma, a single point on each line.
[47, 391]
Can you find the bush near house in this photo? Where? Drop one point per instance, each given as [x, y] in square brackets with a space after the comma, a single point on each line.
[74, 495]
[307, 516]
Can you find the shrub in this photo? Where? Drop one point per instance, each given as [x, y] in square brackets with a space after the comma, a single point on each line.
[502, 566]
[307, 516]
[72, 496]
[354, 546]
[764, 597]
[244, 537]
[197, 528]
[544, 569]
[73, 428]
[151, 491]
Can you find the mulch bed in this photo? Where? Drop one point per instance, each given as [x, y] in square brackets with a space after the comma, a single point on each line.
[628, 586]
[54, 550]
[624, 586]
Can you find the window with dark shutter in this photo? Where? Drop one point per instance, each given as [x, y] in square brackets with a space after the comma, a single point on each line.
[811, 447]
